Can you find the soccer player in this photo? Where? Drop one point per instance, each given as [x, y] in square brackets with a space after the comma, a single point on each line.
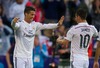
[80, 36]
[24, 36]
[97, 54]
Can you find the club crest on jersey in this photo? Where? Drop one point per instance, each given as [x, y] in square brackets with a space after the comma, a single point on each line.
[26, 35]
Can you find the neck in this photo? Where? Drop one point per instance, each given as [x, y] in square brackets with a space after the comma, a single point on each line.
[27, 20]
[81, 21]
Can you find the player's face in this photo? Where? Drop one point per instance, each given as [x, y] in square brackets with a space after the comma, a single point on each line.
[30, 15]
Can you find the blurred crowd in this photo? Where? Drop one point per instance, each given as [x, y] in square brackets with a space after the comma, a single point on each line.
[47, 11]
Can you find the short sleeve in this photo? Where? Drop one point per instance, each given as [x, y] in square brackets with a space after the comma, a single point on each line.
[70, 34]
[95, 32]
[98, 36]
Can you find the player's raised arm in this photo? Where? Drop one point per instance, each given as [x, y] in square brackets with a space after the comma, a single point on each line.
[60, 22]
[62, 41]
[51, 25]
[14, 23]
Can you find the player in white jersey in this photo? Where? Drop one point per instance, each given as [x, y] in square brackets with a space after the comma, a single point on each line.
[97, 54]
[24, 37]
[80, 36]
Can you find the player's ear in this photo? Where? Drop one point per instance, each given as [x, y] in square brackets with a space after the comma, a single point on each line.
[25, 14]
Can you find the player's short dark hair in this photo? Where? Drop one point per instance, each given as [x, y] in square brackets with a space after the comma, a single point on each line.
[28, 9]
[82, 13]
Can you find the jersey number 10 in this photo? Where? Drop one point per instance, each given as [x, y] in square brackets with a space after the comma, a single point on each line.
[84, 40]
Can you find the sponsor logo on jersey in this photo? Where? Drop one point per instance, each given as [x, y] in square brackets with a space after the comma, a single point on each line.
[30, 35]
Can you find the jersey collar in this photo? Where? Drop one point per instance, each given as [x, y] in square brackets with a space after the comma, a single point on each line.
[26, 22]
[82, 23]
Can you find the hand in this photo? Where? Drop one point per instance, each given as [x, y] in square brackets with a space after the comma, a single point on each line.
[15, 20]
[59, 39]
[10, 66]
[96, 65]
[61, 21]
[1, 23]
[62, 51]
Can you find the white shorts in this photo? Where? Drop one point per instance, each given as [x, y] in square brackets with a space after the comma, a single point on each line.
[79, 64]
[79, 61]
[20, 62]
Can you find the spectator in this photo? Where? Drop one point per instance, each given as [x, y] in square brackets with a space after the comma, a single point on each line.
[95, 13]
[63, 50]
[88, 3]
[3, 16]
[39, 53]
[53, 10]
[6, 4]
[44, 39]
[29, 3]
[39, 17]
[71, 7]
[90, 49]
[9, 55]
[5, 32]
[17, 9]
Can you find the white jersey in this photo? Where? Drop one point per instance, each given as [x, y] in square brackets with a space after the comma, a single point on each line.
[98, 36]
[80, 37]
[24, 37]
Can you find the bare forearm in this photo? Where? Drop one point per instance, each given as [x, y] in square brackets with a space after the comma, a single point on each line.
[63, 41]
[8, 58]
[97, 54]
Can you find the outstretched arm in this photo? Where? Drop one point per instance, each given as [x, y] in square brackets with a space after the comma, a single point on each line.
[60, 22]
[50, 26]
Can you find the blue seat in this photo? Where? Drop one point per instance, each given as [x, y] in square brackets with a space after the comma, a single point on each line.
[1, 65]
